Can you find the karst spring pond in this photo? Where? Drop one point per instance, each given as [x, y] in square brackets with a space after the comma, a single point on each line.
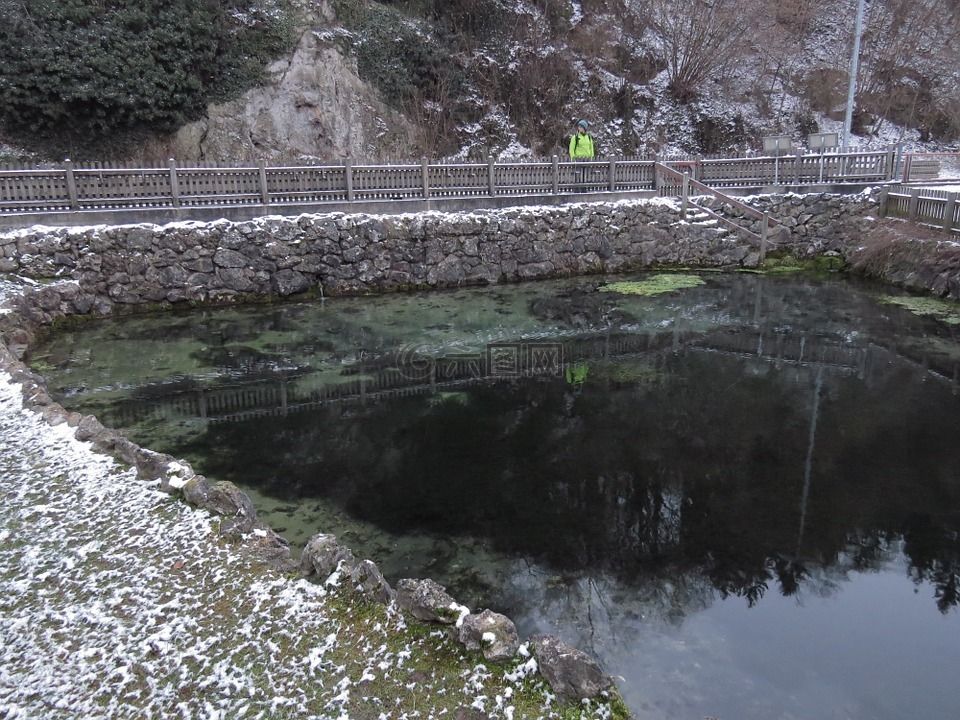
[741, 493]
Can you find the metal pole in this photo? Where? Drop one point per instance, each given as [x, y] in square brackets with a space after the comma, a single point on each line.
[854, 65]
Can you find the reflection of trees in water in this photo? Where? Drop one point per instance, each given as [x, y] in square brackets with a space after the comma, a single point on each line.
[934, 552]
[710, 471]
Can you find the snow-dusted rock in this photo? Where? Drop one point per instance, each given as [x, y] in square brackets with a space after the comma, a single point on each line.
[323, 555]
[428, 600]
[493, 633]
[312, 103]
[571, 673]
[222, 498]
[369, 581]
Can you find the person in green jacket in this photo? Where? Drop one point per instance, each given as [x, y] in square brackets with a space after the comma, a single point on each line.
[581, 148]
[581, 143]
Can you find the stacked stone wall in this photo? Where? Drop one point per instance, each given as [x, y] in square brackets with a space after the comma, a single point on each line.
[149, 265]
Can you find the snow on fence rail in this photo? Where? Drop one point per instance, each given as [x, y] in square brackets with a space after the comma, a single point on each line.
[75, 188]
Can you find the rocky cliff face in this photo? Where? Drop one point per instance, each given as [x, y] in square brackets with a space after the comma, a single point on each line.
[313, 107]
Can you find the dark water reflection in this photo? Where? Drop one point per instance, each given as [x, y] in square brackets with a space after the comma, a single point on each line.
[743, 497]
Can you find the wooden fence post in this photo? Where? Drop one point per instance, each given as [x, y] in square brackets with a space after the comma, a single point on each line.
[656, 176]
[612, 176]
[914, 205]
[764, 231]
[949, 208]
[556, 175]
[71, 184]
[891, 162]
[174, 182]
[884, 199]
[491, 176]
[685, 193]
[907, 162]
[425, 173]
[262, 174]
[348, 178]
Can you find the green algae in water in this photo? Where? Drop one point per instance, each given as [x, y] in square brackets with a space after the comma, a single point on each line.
[944, 310]
[654, 285]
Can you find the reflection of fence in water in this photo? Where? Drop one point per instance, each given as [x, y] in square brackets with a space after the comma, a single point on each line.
[364, 382]
[393, 377]
[792, 349]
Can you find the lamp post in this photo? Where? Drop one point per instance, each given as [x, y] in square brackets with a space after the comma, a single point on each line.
[854, 65]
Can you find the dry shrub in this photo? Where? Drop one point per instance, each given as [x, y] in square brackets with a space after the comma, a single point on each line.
[538, 90]
[910, 255]
[824, 89]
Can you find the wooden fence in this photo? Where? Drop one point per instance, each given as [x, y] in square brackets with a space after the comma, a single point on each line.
[73, 188]
[938, 208]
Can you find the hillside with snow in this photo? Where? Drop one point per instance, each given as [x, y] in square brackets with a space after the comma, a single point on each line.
[465, 79]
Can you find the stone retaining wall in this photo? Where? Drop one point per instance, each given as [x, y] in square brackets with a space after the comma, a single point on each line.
[277, 256]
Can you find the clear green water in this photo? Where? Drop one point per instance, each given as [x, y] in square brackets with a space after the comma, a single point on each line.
[743, 497]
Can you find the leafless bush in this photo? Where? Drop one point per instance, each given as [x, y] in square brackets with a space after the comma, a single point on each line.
[824, 89]
[538, 90]
[700, 39]
[910, 55]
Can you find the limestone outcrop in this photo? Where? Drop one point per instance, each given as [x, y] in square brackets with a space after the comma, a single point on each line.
[313, 106]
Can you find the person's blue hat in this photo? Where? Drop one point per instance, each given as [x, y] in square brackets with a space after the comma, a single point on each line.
[583, 124]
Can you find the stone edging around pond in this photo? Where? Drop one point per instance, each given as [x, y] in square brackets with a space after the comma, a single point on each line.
[102, 269]
[135, 265]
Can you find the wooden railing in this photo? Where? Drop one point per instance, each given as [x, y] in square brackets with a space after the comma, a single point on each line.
[73, 188]
[927, 167]
[792, 170]
[938, 208]
[689, 186]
